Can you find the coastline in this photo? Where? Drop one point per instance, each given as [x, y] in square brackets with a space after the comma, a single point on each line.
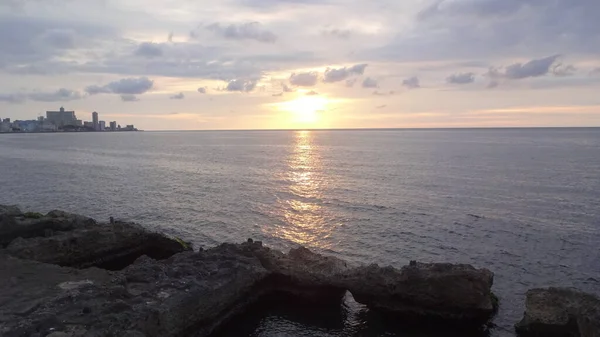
[119, 278]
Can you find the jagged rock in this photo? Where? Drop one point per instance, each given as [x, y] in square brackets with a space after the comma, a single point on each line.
[447, 292]
[15, 224]
[107, 246]
[156, 292]
[560, 312]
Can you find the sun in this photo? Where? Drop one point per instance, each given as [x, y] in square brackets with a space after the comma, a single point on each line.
[305, 109]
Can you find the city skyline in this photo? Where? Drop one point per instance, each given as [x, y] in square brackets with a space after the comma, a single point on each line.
[60, 120]
[255, 64]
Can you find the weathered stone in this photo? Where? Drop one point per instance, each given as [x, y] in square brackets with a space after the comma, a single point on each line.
[446, 292]
[560, 312]
[17, 225]
[107, 246]
[156, 293]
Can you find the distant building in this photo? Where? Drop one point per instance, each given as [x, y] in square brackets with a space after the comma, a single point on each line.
[88, 125]
[113, 126]
[62, 118]
[6, 120]
[101, 126]
[95, 120]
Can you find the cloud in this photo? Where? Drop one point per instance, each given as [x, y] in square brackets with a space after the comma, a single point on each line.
[562, 70]
[307, 79]
[244, 31]
[336, 75]
[312, 93]
[126, 86]
[149, 49]
[13, 98]
[178, 96]
[350, 83]
[59, 38]
[370, 83]
[278, 94]
[343, 34]
[129, 98]
[60, 95]
[241, 85]
[381, 106]
[378, 93]
[595, 71]
[533, 68]
[286, 88]
[461, 78]
[411, 83]
[202, 90]
[493, 84]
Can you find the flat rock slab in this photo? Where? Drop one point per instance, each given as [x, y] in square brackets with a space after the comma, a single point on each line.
[560, 312]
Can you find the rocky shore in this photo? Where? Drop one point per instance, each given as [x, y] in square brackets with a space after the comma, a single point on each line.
[63, 274]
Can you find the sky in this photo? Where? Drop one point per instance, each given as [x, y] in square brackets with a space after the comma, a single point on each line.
[297, 64]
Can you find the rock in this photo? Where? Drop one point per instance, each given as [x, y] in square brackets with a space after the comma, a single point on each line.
[157, 286]
[13, 226]
[10, 211]
[459, 294]
[110, 247]
[560, 312]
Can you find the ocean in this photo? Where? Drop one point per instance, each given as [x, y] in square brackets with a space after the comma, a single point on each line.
[524, 203]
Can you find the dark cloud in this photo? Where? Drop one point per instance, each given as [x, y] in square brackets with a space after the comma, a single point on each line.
[241, 85]
[129, 98]
[460, 29]
[149, 49]
[126, 86]
[178, 96]
[533, 68]
[340, 74]
[411, 83]
[29, 40]
[308, 79]
[244, 31]
[370, 83]
[285, 88]
[312, 93]
[202, 90]
[462, 78]
[530, 69]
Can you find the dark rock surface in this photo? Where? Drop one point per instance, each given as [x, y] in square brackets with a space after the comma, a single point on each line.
[443, 292]
[156, 292]
[560, 312]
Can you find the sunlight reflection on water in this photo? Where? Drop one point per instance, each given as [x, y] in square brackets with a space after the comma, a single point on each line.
[304, 219]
